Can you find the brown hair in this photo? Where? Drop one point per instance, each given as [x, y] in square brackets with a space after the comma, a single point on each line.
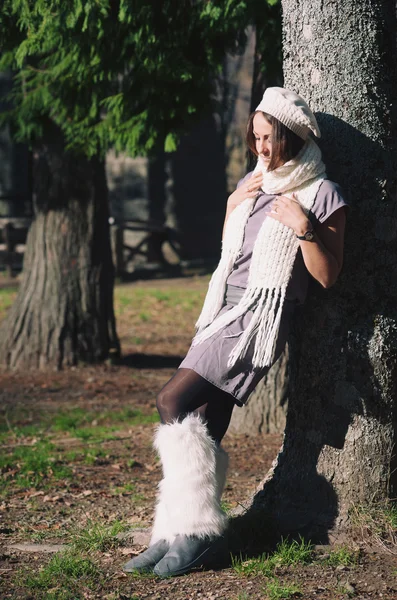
[285, 143]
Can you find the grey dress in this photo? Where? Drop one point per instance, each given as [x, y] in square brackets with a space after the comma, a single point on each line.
[209, 358]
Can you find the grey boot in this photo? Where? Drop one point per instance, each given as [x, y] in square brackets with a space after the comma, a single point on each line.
[145, 561]
[187, 553]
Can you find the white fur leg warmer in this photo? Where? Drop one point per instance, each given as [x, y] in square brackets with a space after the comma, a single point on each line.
[189, 493]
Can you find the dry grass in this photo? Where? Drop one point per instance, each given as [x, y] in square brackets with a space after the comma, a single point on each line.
[376, 525]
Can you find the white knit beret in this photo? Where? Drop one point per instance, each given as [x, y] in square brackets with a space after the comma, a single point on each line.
[290, 109]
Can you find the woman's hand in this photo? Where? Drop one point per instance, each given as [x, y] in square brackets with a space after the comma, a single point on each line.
[249, 189]
[323, 254]
[290, 213]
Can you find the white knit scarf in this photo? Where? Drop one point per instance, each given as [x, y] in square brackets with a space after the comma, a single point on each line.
[272, 260]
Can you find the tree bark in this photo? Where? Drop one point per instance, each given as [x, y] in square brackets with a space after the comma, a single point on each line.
[340, 438]
[268, 68]
[199, 185]
[266, 409]
[63, 312]
[157, 198]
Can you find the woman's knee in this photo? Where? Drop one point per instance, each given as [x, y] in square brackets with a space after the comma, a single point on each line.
[166, 407]
[182, 394]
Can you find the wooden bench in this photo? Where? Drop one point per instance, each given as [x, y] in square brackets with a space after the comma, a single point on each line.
[150, 246]
[13, 232]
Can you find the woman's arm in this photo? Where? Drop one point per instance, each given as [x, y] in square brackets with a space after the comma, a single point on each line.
[323, 256]
[248, 189]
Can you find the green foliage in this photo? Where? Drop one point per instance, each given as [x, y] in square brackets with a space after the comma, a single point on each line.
[131, 74]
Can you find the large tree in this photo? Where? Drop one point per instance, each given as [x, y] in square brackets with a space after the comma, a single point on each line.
[94, 74]
[339, 446]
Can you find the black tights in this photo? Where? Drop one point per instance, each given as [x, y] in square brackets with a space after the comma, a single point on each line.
[188, 392]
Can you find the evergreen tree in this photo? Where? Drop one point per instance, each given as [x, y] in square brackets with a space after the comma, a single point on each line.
[89, 75]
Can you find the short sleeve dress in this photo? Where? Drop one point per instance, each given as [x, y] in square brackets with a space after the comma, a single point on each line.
[209, 358]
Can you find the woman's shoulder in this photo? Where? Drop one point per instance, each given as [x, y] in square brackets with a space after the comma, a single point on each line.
[330, 187]
[329, 198]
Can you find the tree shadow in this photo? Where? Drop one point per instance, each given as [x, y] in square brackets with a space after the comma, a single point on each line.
[342, 365]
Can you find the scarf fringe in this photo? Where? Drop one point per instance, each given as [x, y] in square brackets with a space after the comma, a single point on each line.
[230, 252]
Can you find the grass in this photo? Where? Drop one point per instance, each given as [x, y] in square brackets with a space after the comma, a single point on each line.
[136, 308]
[97, 536]
[276, 591]
[70, 420]
[141, 299]
[34, 465]
[342, 589]
[226, 506]
[60, 577]
[15, 425]
[7, 297]
[341, 556]
[130, 490]
[39, 463]
[377, 524]
[131, 416]
[287, 553]
[81, 423]
[68, 572]
[88, 456]
[124, 489]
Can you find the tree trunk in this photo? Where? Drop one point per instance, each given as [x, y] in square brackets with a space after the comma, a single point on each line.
[268, 68]
[266, 409]
[63, 313]
[157, 198]
[340, 436]
[199, 187]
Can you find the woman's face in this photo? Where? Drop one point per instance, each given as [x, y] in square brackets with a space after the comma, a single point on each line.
[263, 137]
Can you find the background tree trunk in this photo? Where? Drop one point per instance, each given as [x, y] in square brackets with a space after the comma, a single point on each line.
[157, 199]
[340, 437]
[268, 65]
[267, 407]
[63, 313]
[199, 188]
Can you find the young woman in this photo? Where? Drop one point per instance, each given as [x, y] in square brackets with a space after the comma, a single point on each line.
[284, 222]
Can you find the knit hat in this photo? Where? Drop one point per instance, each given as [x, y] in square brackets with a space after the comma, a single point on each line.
[290, 109]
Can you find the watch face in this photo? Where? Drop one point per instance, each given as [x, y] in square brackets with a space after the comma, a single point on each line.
[309, 236]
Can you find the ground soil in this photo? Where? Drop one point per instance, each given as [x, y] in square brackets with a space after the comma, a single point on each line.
[99, 491]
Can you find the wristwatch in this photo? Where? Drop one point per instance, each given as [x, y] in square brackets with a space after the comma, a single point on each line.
[308, 236]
